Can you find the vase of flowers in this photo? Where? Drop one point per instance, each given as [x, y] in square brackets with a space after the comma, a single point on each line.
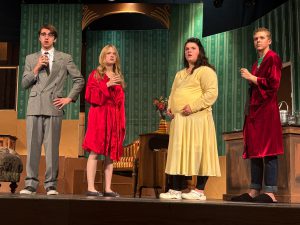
[161, 105]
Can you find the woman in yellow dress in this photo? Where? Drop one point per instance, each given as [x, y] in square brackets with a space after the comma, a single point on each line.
[192, 146]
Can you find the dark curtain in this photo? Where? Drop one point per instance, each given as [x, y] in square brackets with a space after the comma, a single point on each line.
[8, 88]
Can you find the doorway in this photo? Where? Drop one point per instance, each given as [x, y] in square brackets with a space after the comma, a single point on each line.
[285, 92]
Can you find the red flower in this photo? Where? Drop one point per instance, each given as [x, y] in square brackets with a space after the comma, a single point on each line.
[161, 105]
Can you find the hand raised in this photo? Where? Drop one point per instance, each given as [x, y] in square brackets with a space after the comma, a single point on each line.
[248, 76]
[114, 80]
[43, 61]
[245, 73]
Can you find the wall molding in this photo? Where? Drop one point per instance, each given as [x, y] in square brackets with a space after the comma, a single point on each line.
[93, 12]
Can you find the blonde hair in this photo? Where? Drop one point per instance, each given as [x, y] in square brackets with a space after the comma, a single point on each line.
[263, 29]
[101, 69]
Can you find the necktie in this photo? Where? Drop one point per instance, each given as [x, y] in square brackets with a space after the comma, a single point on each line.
[47, 67]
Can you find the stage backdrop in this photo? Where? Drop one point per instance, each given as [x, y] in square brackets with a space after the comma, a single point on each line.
[144, 61]
[229, 51]
[67, 20]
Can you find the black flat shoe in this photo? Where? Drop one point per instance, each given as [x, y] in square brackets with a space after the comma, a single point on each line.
[111, 194]
[242, 198]
[94, 193]
[263, 198]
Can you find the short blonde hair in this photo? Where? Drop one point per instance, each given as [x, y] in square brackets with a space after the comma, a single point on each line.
[263, 29]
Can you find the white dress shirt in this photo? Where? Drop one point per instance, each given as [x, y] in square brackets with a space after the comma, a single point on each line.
[50, 56]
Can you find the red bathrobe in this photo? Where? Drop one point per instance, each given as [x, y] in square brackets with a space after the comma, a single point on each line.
[262, 128]
[106, 120]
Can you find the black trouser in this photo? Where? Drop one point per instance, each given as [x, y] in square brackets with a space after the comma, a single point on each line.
[179, 182]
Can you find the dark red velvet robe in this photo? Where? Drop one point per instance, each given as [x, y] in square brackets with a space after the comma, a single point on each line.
[262, 128]
[106, 120]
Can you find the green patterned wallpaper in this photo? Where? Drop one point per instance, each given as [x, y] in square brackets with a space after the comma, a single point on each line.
[144, 58]
[67, 20]
[284, 23]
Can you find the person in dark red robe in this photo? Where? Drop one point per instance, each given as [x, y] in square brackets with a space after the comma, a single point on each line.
[106, 120]
[262, 127]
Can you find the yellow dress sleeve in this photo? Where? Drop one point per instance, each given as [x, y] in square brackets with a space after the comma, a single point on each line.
[209, 85]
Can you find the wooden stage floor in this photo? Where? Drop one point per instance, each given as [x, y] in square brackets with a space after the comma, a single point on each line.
[39, 209]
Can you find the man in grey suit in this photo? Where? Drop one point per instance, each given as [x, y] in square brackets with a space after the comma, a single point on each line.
[45, 73]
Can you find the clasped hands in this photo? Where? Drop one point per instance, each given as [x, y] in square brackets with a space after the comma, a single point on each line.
[186, 111]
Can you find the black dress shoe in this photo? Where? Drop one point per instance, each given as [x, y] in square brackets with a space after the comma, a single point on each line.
[94, 193]
[242, 198]
[263, 198]
[111, 194]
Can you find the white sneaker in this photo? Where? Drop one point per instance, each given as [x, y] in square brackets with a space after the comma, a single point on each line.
[51, 191]
[171, 194]
[194, 195]
[28, 191]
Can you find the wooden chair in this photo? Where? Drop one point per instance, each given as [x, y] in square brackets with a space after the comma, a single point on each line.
[128, 163]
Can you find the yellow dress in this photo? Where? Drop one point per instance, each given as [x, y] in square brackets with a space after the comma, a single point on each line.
[192, 145]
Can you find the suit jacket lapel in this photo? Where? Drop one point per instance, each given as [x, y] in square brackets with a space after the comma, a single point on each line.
[55, 64]
[36, 56]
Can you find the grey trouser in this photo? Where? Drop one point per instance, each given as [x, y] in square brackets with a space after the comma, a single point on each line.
[42, 130]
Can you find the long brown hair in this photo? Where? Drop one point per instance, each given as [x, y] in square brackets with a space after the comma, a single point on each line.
[101, 69]
[202, 60]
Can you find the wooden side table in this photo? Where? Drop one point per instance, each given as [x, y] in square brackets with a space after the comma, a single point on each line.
[151, 166]
[238, 169]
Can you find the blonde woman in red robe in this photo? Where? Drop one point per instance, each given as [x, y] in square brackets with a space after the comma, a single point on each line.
[106, 120]
[262, 128]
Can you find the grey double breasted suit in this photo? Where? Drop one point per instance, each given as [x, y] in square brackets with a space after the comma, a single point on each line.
[43, 123]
